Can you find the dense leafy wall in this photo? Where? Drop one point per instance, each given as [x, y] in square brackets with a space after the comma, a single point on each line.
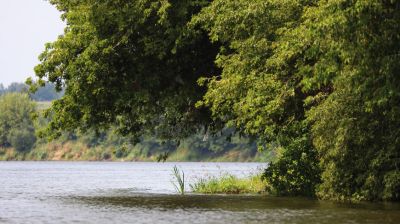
[316, 81]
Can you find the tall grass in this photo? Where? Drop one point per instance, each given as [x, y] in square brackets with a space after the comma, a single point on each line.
[229, 184]
[179, 182]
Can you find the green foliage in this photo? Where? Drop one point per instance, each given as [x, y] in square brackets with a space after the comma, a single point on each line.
[316, 80]
[229, 184]
[259, 91]
[133, 64]
[356, 127]
[162, 157]
[218, 144]
[179, 183]
[331, 66]
[121, 151]
[391, 188]
[253, 94]
[113, 147]
[22, 139]
[296, 170]
[16, 125]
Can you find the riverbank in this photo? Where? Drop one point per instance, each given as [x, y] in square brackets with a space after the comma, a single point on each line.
[78, 151]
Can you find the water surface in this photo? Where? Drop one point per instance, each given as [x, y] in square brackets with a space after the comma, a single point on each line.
[98, 192]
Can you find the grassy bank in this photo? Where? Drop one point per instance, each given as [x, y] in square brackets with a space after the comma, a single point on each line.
[58, 152]
[229, 184]
[78, 151]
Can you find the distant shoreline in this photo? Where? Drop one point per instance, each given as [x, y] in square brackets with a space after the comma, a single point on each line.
[75, 151]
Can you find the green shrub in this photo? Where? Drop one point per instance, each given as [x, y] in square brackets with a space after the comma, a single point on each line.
[121, 151]
[295, 172]
[392, 186]
[21, 139]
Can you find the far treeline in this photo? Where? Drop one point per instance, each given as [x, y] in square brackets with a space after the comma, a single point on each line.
[316, 81]
[46, 93]
[21, 138]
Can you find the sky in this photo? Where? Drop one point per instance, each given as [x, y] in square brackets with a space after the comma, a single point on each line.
[25, 26]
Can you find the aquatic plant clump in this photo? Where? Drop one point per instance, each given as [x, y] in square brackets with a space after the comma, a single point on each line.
[230, 184]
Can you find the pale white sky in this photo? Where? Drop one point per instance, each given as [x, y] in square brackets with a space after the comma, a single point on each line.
[25, 26]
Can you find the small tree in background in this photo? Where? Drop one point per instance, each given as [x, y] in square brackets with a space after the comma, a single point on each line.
[16, 125]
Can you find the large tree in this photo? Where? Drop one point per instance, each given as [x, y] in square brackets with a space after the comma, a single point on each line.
[317, 81]
[320, 79]
[356, 128]
[133, 64]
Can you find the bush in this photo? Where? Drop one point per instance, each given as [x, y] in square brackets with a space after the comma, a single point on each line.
[21, 139]
[121, 151]
[392, 186]
[295, 172]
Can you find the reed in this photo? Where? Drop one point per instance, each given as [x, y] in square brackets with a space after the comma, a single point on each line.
[179, 182]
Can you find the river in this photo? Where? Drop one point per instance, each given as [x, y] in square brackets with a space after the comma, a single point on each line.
[134, 192]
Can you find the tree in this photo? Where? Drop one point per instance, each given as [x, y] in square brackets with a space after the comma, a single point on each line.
[356, 127]
[315, 81]
[133, 64]
[326, 71]
[22, 138]
[259, 91]
[16, 125]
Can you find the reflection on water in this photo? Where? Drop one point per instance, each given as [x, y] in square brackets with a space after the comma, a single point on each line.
[247, 209]
[59, 192]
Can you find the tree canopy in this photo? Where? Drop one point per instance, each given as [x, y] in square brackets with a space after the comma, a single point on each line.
[133, 64]
[316, 81]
